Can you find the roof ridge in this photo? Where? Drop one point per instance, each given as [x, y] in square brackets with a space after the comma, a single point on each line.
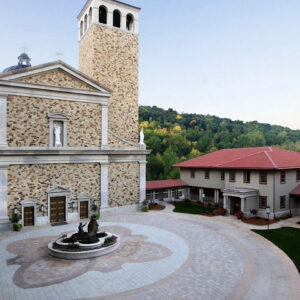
[239, 158]
[271, 160]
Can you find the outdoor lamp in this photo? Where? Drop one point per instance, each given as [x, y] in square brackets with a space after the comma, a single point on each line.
[95, 202]
[15, 211]
[42, 208]
[73, 205]
[268, 210]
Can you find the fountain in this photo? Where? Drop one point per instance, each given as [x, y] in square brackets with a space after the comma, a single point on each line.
[83, 245]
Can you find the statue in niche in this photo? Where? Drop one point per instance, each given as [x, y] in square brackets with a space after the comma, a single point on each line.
[57, 135]
[142, 137]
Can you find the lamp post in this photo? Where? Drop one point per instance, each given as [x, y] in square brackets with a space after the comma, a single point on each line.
[268, 211]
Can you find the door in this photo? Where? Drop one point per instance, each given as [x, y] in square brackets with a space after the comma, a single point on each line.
[57, 209]
[236, 205]
[84, 210]
[29, 216]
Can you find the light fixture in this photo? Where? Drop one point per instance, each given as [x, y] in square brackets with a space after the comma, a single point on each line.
[268, 211]
[73, 205]
[95, 202]
[42, 208]
[15, 211]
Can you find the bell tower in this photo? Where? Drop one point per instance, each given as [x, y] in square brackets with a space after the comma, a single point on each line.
[108, 53]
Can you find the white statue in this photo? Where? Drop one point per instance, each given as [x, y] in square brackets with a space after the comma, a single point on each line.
[57, 136]
[142, 137]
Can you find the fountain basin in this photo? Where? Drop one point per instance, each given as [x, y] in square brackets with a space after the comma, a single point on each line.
[79, 251]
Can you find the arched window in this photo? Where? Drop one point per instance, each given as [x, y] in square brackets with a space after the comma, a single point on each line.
[90, 16]
[102, 14]
[129, 22]
[85, 22]
[81, 28]
[117, 19]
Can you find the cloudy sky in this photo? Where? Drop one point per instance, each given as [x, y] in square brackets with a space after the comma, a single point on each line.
[231, 58]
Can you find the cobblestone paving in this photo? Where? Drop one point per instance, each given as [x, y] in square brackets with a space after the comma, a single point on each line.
[168, 255]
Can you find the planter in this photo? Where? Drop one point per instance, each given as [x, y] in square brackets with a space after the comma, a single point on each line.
[16, 227]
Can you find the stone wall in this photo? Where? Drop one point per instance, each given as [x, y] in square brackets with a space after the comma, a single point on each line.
[31, 126]
[110, 56]
[32, 181]
[123, 184]
[57, 78]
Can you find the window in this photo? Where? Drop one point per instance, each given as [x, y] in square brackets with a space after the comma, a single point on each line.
[102, 14]
[263, 202]
[298, 175]
[247, 176]
[232, 176]
[222, 175]
[58, 130]
[282, 177]
[193, 171]
[206, 174]
[85, 22]
[117, 19]
[129, 22]
[263, 177]
[81, 28]
[90, 16]
[282, 202]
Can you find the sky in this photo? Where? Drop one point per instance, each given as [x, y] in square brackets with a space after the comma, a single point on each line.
[238, 59]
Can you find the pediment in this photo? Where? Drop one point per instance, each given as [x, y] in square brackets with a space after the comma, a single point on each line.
[57, 74]
[58, 190]
[58, 116]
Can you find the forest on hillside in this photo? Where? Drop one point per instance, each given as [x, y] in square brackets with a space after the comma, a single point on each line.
[175, 137]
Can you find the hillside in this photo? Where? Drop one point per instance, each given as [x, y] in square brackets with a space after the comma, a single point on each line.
[175, 137]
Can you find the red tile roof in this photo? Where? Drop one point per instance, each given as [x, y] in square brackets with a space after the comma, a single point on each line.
[164, 184]
[268, 158]
[296, 191]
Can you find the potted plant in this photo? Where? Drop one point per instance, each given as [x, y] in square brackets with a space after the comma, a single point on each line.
[145, 206]
[15, 222]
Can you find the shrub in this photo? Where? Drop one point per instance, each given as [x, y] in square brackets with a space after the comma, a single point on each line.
[145, 209]
[239, 215]
[17, 227]
[96, 216]
[15, 218]
[220, 211]
[254, 212]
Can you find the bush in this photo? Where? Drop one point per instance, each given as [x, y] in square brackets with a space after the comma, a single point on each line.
[96, 216]
[254, 212]
[15, 218]
[17, 227]
[239, 215]
[220, 211]
[145, 209]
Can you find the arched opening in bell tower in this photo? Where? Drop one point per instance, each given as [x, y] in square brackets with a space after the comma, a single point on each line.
[102, 14]
[129, 22]
[117, 18]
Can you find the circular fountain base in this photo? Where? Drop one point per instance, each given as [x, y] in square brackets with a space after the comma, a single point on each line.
[78, 251]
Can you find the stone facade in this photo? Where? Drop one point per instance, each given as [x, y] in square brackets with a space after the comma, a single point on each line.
[110, 56]
[33, 181]
[124, 184]
[31, 127]
[57, 78]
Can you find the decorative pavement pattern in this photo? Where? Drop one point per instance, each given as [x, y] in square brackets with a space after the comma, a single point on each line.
[162, 255]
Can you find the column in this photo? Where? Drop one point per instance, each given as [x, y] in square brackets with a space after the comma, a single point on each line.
[217, 196]
[3, 124]
[201, 195]
[243, 204]
[104, 128]
[142, 180]
[123, 21]
[4, 221]
[104, 185]
[95, 15]
[169, 194]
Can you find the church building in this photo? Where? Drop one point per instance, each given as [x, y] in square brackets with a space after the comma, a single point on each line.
[69, 139]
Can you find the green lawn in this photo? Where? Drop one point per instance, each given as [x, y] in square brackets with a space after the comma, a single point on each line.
[189, 208]
[287, 239]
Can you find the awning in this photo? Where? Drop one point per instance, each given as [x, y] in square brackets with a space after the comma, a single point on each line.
[296, 191]
[164, 184]
[240, 192]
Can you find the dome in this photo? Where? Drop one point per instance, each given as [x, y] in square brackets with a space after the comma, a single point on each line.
[24, 62]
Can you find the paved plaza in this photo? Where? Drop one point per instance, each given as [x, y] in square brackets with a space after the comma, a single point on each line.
[163, 255]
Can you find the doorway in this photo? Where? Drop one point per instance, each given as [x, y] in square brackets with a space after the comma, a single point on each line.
[29, 216]
[57, 209]
[84, 209]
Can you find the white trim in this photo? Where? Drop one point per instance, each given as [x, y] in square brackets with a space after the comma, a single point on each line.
[52, 159]
[29, 203]
[3, 122]
[56, 66]
[58, 192]
[45, 92]
[4, 221]
[104, 127]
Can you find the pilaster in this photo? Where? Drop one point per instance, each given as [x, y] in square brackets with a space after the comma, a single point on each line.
[104, 186]
[104, 127]
[4, 220]
[3, 121]
[142, 180]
